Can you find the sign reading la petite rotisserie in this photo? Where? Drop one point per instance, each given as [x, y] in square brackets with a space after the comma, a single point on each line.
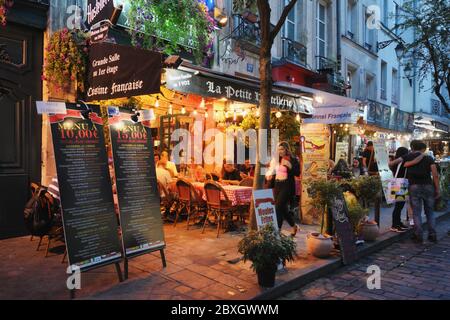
[117, 71]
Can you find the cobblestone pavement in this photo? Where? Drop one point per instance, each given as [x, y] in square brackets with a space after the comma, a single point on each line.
[408, 271]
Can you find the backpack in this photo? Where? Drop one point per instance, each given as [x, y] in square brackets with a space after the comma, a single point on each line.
[38, 212]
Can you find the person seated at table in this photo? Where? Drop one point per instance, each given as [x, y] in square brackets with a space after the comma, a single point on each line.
[356, 168]
[169, 165]
[247, 170]
[200, 174]
[162, 174]
[230, 174]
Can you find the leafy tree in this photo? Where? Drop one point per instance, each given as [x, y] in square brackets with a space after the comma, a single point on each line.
[430, 20]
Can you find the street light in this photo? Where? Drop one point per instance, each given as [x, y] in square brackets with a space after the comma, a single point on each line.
[399, 50]
[409, 73]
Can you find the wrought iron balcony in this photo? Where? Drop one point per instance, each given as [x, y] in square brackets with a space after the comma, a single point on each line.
[246, 31]
[326, 65]
[294, 52]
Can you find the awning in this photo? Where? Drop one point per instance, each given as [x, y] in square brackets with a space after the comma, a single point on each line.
[205, 82]
[428, 127]
[322, 98]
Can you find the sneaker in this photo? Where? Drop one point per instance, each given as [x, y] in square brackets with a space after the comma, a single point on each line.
[411, 222]
[402, 226]
[432, 238]
[397, 229]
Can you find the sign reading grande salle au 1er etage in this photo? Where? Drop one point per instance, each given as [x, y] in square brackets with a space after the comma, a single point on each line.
[117, 71]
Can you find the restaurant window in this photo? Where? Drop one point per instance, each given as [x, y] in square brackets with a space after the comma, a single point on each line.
[383, 79]
[352, 18]
[321, 29]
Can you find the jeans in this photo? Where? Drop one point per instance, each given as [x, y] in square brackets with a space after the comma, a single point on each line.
[422, 194]
[283, 196]
[396, 219]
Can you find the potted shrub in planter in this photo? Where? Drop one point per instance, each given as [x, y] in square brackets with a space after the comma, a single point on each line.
[322, 192]
[369, 230]
[266, 248]
[356, 213]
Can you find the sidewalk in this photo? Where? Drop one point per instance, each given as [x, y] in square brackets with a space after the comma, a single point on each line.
[199, 266]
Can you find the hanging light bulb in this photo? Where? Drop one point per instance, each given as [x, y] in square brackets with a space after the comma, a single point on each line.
[170, 109]
[206, 114]
[257, 112]
[278, 114]
[157, 102]
[334, 131]
[202, 104]
[183, 110]
[234, 116]
[297, 117]
[195, 112]
[341, 125]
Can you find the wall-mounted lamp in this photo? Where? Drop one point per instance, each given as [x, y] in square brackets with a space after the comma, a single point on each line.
[116, 14]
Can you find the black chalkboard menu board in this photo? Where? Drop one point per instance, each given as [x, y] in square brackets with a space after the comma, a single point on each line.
[139, 200]
[344, 229]
[89, 220]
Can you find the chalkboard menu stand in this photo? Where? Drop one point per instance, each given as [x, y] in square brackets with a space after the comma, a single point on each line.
[344, 230]
[137, 189]
[163, 259]
[116, 264]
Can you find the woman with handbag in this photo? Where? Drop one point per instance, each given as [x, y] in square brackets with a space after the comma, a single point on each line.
[282, 175]
[398, 170]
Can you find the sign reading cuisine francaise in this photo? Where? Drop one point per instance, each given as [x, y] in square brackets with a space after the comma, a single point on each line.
[117, 71]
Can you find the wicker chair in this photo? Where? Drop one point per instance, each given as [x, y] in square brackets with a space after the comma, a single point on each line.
[223, 210]
[189, 199]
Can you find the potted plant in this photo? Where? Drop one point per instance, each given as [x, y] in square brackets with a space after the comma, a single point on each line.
[322, 192]
[367, 189]
[5, 6]
[356, 213]
[266, 248]
[369, 230]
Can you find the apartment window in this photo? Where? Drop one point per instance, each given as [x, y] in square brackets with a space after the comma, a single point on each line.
[352, 11]
[368, 34]
[385, 12]
[290, 30]
[383, 79]
[397, 18]
[321, 19]
[352, 79]
[370, 86]
[395, 86]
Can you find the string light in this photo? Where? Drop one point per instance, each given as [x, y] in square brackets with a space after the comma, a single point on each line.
[278, 114]
[297, 117]
[170, 109]
[157, 102]
[195, 112]
[183, 110]
[257, 112]
[234, 116]
[202, 104]
[206, 114]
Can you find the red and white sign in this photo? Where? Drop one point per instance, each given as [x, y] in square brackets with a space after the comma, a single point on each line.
[265, 208]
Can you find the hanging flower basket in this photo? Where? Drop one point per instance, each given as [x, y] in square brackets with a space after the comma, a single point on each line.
[65, 63]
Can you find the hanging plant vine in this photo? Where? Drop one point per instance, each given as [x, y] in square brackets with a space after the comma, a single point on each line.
[5, 6]
[66, 60]
[170, 25]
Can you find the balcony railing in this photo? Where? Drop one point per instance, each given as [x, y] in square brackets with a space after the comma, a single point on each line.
[244, 30]
[383, 93]
[294, 51]
[326, 65]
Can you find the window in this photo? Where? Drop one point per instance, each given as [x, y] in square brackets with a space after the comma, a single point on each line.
[368, 34]
[352, 79]
[397, 18]
[383, 80]
[385, 12]
[370, 86]
[321, 39]
[290, 30]
[395, 86]
[352, 10]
